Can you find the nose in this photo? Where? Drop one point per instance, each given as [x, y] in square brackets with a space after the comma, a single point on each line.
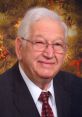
[49, 52]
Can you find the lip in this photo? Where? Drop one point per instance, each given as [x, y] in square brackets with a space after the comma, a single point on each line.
[47, 62]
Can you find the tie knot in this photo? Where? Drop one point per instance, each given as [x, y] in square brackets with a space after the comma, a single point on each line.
[44, 96]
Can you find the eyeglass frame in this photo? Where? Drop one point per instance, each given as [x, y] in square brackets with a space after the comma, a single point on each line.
[46, 44]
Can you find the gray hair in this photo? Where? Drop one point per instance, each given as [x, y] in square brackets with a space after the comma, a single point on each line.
[35, 14]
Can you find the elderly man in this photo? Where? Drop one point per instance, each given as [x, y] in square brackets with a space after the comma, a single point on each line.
[35, 86]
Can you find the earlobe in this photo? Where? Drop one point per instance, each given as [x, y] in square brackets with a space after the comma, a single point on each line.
[18, 48]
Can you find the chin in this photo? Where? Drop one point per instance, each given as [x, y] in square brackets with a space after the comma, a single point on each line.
[46, 75]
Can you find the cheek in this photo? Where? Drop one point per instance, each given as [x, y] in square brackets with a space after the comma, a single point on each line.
[60, 58]
[30, 58]
[27, 61]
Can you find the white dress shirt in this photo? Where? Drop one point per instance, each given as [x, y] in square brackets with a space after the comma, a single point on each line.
[36, 91]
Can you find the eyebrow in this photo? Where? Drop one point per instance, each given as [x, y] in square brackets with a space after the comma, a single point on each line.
[58, 38]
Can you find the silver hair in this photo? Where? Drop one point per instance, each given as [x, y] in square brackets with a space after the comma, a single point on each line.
[35, 14]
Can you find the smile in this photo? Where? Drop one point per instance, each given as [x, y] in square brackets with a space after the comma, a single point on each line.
[47, 63]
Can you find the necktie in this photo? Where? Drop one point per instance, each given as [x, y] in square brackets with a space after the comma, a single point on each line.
[46, 109]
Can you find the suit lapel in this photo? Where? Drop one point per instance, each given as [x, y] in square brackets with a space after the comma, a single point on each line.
[22, 97]
[62, 98]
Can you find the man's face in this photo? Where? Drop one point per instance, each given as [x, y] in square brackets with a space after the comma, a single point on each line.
[43, 64]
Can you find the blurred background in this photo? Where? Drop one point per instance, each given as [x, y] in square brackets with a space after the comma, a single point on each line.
[11, 13]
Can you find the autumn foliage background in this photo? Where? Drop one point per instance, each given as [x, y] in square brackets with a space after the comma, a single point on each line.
[11, 13]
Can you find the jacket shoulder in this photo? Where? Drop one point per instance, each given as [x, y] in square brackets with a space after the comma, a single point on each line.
[6, 79]
[68, 81]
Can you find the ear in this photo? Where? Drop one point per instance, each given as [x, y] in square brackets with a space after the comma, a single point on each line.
[18, 48]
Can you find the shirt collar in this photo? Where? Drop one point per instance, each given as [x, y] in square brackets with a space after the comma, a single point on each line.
[34, 89]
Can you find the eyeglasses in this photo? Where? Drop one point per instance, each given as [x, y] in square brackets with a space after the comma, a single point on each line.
[41, 45]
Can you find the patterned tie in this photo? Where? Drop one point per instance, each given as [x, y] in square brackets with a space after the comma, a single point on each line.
[46, 109]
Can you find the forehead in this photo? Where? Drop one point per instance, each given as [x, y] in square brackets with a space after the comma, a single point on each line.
[48, 27]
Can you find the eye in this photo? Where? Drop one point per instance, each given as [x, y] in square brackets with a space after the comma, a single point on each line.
[39, 42]
[58, 44]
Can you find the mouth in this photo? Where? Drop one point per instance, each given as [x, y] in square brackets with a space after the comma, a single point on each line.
[46, 63]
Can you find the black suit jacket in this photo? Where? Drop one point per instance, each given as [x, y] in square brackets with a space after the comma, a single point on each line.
[16, 100]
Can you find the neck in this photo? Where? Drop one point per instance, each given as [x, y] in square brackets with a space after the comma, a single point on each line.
[43, 84]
